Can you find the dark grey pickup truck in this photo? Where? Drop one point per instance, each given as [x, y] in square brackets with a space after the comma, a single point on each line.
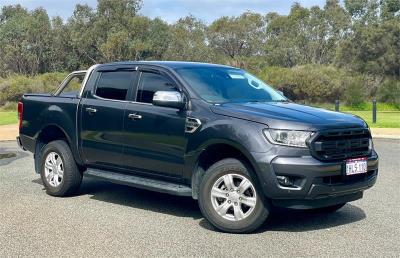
[212, 132]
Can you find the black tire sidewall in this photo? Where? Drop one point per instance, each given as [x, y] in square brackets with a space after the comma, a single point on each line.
[253, 221]
[71, 179]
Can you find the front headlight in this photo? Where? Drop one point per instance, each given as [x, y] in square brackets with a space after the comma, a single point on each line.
[288, 137]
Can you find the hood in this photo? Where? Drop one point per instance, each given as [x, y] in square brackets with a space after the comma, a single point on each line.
[286, 115]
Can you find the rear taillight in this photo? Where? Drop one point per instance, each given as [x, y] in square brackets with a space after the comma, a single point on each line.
[20, 113]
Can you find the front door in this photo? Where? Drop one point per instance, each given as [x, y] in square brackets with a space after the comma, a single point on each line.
[154, 136]
[102, 118]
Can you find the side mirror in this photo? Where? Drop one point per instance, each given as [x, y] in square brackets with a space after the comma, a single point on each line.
[281, 92]
[171, 99]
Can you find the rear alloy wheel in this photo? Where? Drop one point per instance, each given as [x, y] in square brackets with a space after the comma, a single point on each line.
[54, 169]
[229, 198]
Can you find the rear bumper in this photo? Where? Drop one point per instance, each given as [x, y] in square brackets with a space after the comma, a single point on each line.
[26, 143]
[20, 143]
[316, 183]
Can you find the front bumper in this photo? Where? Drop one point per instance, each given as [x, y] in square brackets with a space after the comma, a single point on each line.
[316, 183]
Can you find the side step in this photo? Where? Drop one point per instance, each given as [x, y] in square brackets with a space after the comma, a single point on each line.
[140, 182]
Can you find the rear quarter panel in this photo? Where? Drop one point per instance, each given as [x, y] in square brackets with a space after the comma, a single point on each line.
[41, 111]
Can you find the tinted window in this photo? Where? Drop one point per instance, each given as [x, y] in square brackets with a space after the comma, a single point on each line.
[150, 83]
[115, 85]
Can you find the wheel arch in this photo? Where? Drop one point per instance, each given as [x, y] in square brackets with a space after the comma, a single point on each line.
[215, 151]
[49, 133]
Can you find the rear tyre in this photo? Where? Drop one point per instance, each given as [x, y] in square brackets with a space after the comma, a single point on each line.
[59, 171]
[229, 198]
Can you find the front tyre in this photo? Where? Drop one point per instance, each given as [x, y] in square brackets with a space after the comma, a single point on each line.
[59, 172]
[229, 198]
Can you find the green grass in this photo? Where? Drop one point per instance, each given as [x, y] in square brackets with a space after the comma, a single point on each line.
[365, 106]
[385, 119]
[7, 118]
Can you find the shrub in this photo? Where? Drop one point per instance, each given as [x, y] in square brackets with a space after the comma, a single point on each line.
[9, 106]
[14, 86]
[355, 93]
[389, 92]
[325, 84]
[310, 82]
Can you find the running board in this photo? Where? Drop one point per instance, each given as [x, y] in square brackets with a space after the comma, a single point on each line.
[140, 182]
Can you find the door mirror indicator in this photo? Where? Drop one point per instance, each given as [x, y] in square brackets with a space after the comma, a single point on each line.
[171, 99]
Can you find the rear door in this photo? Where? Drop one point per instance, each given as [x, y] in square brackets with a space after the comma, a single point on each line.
[154, 136]
[102, 118]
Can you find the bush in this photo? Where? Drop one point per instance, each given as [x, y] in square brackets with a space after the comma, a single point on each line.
[13, 87]
[325, 84]
[9, 106]
[389, 92]
[310, 82]
[355, 93]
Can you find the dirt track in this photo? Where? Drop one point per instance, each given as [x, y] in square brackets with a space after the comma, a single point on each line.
[8, 132]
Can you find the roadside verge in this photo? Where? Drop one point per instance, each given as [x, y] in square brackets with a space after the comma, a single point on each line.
[8, 132]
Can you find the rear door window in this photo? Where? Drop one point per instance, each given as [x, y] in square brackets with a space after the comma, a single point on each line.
[115, 85]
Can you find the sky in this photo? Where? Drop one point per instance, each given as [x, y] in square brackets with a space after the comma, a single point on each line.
[172, 10]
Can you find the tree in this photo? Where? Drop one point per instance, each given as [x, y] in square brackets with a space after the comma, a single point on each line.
[238, 37]
[306, 35]
[159, 38]
[188, 41]
[351, 38]
[112, 26]
[83, 38]
[24, 39]
[373, 47]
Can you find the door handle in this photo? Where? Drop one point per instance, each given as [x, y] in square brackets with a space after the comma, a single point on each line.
[135, 116]
[91, 110]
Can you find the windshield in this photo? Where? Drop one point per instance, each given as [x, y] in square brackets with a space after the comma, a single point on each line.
[221, 85]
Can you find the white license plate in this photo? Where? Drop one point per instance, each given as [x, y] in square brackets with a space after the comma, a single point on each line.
[356, 166]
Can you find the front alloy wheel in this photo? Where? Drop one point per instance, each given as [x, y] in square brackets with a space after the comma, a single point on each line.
[233, 197]
[229, 198]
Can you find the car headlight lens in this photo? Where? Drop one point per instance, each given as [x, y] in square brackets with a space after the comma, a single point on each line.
[288, 137]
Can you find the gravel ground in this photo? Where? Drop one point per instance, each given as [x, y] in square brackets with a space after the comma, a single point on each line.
[111, 220]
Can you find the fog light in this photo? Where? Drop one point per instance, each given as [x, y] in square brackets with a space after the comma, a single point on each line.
[284, 180]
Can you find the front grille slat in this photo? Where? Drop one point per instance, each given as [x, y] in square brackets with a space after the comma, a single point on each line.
[340, 144]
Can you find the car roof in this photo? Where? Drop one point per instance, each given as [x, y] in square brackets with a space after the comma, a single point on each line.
[170, 64]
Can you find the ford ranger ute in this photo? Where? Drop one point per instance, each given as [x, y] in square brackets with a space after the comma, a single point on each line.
[212, 132]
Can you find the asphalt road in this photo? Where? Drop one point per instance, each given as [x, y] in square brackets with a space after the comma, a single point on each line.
[111, 220]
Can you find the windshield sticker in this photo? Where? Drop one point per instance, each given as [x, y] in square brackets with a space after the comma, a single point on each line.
[236, 76]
